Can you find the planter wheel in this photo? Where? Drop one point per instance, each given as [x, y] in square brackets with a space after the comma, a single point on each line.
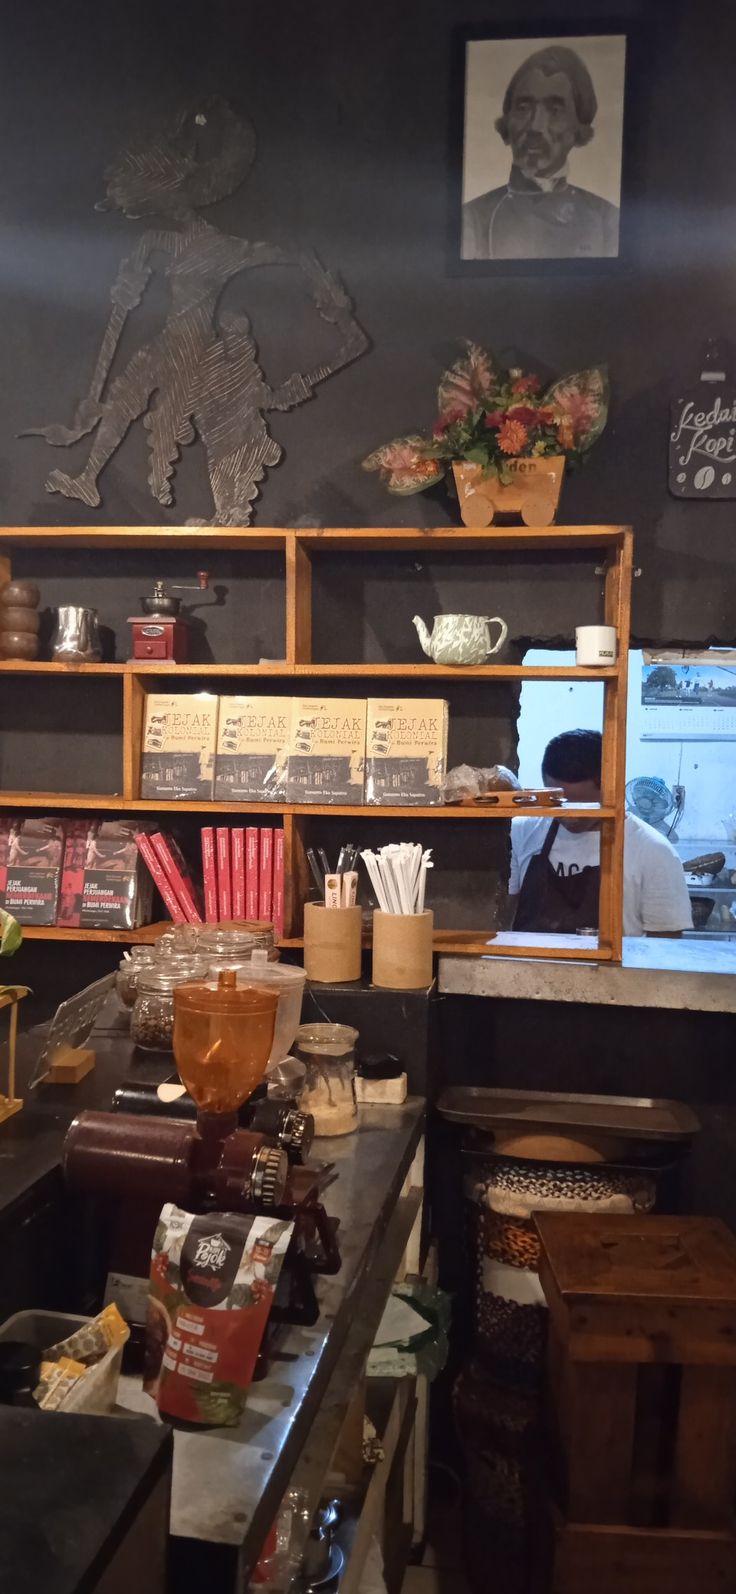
[475, 510]
[538, 510]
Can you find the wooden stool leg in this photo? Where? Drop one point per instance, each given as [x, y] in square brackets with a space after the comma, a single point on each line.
[704, 1483]
[600, 1427]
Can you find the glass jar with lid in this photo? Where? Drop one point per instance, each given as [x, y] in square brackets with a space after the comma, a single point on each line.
[126, 978]
[225, 945]
[152, 1018]
[328, 1050]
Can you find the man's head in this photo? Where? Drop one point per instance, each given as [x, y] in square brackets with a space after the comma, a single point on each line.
[548, 108]
[573, 761]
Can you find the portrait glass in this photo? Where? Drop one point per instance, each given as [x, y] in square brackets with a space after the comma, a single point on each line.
[542, 148]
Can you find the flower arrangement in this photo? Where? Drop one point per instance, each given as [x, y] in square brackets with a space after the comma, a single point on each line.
[489, 416]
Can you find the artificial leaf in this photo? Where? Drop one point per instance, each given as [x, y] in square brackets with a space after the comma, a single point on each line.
[11, 934]
[405, 465]
[467, 384]
[581, 400]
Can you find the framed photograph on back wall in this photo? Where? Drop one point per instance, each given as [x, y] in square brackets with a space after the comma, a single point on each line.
[538, 150]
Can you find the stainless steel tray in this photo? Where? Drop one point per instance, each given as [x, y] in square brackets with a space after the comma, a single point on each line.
[632, 1117]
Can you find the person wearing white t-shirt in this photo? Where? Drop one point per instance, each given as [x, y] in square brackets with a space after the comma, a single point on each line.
[555, 864]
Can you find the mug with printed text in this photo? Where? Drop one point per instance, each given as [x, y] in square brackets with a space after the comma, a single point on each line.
[595, 644]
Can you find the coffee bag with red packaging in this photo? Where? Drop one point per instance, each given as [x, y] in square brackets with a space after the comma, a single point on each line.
[213, 1280]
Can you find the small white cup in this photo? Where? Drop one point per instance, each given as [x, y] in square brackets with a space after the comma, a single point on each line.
[595, 644]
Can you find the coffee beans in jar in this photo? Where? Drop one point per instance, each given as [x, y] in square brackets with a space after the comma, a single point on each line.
[152, 1018]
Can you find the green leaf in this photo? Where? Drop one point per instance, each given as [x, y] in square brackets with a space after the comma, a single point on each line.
[478, 456]
[11, 934]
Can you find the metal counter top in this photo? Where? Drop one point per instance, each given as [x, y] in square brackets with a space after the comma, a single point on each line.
[655, 972]
[228, 1482]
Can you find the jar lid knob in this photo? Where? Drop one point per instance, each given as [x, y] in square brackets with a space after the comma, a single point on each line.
[226, 980]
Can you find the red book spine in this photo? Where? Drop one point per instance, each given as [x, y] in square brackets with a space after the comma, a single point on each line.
[278, 881]
[209, 875]
[177, 873]
[69, 911]
[265, 874]
[224, 886]
[237, 870]
[162, 884]
[251, 872]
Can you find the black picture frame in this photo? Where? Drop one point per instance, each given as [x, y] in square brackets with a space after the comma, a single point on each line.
[633, 37]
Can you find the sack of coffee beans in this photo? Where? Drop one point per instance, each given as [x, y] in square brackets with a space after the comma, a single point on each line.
[213, 1280]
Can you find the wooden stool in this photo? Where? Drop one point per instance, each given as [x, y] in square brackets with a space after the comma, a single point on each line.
[642, 1379]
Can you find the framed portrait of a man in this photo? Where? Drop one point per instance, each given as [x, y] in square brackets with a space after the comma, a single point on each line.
[538, 150]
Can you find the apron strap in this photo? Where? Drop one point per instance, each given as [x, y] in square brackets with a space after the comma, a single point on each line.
[549, 840]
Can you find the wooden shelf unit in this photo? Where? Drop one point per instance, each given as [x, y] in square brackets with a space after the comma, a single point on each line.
[610, 546]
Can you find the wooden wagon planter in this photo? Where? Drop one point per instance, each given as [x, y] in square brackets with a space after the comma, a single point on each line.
[534, 493]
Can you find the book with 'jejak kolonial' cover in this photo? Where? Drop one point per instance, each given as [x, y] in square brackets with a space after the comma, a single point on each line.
[406, 751]
[179, 738]
[326, 750]
[209, 874]
[252, 741]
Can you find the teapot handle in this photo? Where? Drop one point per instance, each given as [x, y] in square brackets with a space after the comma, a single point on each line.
[495, 619]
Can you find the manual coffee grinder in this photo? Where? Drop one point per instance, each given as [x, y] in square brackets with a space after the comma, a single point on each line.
[162, 631]
[223, 1035]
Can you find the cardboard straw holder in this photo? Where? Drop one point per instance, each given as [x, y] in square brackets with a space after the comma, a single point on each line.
[402, 950]
[332, 943]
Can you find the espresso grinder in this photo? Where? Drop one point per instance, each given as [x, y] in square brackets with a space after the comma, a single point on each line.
[223, 1035]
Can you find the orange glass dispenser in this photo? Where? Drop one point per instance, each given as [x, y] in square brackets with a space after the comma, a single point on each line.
[222, 1040]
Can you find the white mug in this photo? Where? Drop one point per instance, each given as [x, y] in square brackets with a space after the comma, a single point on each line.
[595, 644]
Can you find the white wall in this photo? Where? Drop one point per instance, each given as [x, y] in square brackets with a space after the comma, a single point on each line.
[707, 770]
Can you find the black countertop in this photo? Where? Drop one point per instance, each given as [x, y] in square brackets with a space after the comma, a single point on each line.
[71, 1487]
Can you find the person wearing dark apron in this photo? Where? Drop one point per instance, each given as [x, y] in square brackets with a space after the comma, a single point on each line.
[562, 903]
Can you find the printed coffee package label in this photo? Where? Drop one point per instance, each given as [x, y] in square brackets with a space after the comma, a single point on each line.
[117, 892]
[406, 751]
[35, 851]
[252, 749]
[326, 750]
[213, 1279]
[179, 742]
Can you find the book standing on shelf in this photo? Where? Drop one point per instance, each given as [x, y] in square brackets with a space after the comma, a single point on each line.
[251, 872]
[406, 751]
[224, 887]
[179, 739]
[209, 874]
[178, 873]
[252, 746]
[160, 879]
[326, 750]
[278, 881]
[265, 873]
[35, 850]
[237, 870]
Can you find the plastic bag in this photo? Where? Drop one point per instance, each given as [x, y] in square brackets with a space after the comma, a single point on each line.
[466, 781]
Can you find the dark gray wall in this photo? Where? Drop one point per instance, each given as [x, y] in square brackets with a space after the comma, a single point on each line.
[351, 110]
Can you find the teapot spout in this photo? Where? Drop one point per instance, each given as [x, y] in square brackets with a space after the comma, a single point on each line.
[423, 635]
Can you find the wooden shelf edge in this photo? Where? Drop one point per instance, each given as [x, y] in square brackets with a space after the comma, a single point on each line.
[145, 936]
[86, 801]
[404, 672]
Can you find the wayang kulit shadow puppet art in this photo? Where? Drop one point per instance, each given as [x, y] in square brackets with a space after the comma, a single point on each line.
[200, 373]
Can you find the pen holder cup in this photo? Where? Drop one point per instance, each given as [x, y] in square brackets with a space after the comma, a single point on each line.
[332, 943]
[402, 950]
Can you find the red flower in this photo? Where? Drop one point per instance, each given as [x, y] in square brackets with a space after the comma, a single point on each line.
[512, 437]
[495, 418]
[448, 419]
[525, 414]
[546, 416]
[526, 384]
